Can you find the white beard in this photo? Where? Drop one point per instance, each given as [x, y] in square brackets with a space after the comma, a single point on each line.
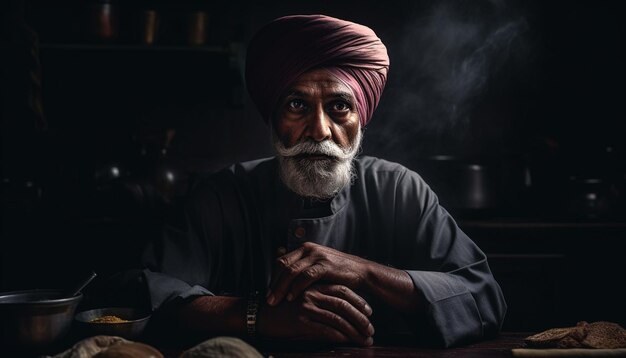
[319, 179]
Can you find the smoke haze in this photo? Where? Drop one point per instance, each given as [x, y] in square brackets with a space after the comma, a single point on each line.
[444, 62]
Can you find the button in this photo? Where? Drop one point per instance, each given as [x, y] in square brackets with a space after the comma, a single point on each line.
[281, 251]
[299, 232]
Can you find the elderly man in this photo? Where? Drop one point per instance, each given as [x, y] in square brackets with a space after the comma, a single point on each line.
[318, 243]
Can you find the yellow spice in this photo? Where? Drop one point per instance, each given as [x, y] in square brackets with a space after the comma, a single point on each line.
[108, 319]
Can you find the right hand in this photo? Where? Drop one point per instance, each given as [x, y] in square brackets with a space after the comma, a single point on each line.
[323, 312]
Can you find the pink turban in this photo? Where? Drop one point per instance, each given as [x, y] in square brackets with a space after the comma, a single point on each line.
[291, 45]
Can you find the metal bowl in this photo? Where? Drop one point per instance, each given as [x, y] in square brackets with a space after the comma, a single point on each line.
[137, 322]
[35, 319]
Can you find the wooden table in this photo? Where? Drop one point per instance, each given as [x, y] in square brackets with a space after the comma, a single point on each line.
[396, 347]
[499, 347]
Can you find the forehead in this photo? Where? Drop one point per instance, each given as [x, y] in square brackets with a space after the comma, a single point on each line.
[319, 81]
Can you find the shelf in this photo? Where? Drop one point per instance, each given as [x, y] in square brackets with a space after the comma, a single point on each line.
[148, 48]
[495, 224]
[136, 79]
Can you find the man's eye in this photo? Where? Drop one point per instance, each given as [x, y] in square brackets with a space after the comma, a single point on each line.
[340, 107]
[295, 105]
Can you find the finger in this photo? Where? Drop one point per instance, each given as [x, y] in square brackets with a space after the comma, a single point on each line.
[348, 312]
[307, 277]
[285, 261]
[325, 333]
[339, 323]
[288, 274]
[276, 272]
[347, 294]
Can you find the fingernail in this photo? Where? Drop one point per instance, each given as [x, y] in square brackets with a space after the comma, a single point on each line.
[289, 297]
[370, 330]
[369, 341]
[368, 309]
[271, 300]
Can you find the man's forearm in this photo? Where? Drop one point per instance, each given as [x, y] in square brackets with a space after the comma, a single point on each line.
[212, 315]
[394, 287]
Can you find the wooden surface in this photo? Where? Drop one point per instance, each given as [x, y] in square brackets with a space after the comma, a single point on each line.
[499, 347]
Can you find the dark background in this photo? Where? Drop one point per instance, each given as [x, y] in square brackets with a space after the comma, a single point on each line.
[512, 110]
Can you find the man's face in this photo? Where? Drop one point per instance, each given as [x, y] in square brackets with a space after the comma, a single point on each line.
[317, 134]
[318, 107]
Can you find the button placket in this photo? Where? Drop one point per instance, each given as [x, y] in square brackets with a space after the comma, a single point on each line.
[299, 232]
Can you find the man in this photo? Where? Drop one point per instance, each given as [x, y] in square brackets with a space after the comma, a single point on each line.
[333, 243]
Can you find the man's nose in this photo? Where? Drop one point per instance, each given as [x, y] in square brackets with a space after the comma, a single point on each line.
[318, 127]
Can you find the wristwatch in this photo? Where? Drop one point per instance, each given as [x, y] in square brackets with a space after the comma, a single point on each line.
[251, 313]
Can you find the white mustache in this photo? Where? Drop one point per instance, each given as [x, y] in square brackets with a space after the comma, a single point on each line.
[327, 147]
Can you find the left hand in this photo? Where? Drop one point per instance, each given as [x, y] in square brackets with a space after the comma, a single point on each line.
[323, 312]
[299, 269]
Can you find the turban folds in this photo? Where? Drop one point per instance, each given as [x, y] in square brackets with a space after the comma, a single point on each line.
[289, 46]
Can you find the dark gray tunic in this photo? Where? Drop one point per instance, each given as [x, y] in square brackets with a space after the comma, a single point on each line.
[236, 220]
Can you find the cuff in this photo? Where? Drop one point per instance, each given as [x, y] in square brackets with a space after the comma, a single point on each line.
[164, 288]
[452, 313]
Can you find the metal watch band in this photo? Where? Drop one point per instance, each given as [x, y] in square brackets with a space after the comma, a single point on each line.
[251, 313]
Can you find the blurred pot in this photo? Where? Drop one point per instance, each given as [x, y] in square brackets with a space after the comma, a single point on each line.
[589, 198]
[149, 27]
[103, 20]
[461, 185]
[197, 26]
[35, 319]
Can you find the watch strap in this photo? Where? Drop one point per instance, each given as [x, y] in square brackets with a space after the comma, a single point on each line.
[251, 313]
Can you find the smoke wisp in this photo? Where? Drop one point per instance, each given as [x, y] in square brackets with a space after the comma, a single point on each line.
[445, 61]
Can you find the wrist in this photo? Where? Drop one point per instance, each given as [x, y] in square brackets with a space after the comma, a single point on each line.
[266, 320]
[379, 278]
[211, 315]
[367, 276]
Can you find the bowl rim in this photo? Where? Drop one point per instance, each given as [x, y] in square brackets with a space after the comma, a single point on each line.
[145, 316]
[46, 302]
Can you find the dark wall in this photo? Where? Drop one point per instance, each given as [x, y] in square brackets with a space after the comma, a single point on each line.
[530, 88]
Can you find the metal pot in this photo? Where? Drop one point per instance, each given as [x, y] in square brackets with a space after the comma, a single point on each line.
[589, 198]
[35, 319]
[461, 185]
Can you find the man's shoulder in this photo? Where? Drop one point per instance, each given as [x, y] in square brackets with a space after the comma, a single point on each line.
[381, 172]
[237, 174]
[368, 165]
[253, 166]
[385, 179]
[259, 170]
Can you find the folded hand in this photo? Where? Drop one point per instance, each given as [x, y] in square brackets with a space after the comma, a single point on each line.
[328, 313]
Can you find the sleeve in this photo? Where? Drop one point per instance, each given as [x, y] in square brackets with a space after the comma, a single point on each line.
[464, 303]
[163, 272]
[158, 277]
[185, 261]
